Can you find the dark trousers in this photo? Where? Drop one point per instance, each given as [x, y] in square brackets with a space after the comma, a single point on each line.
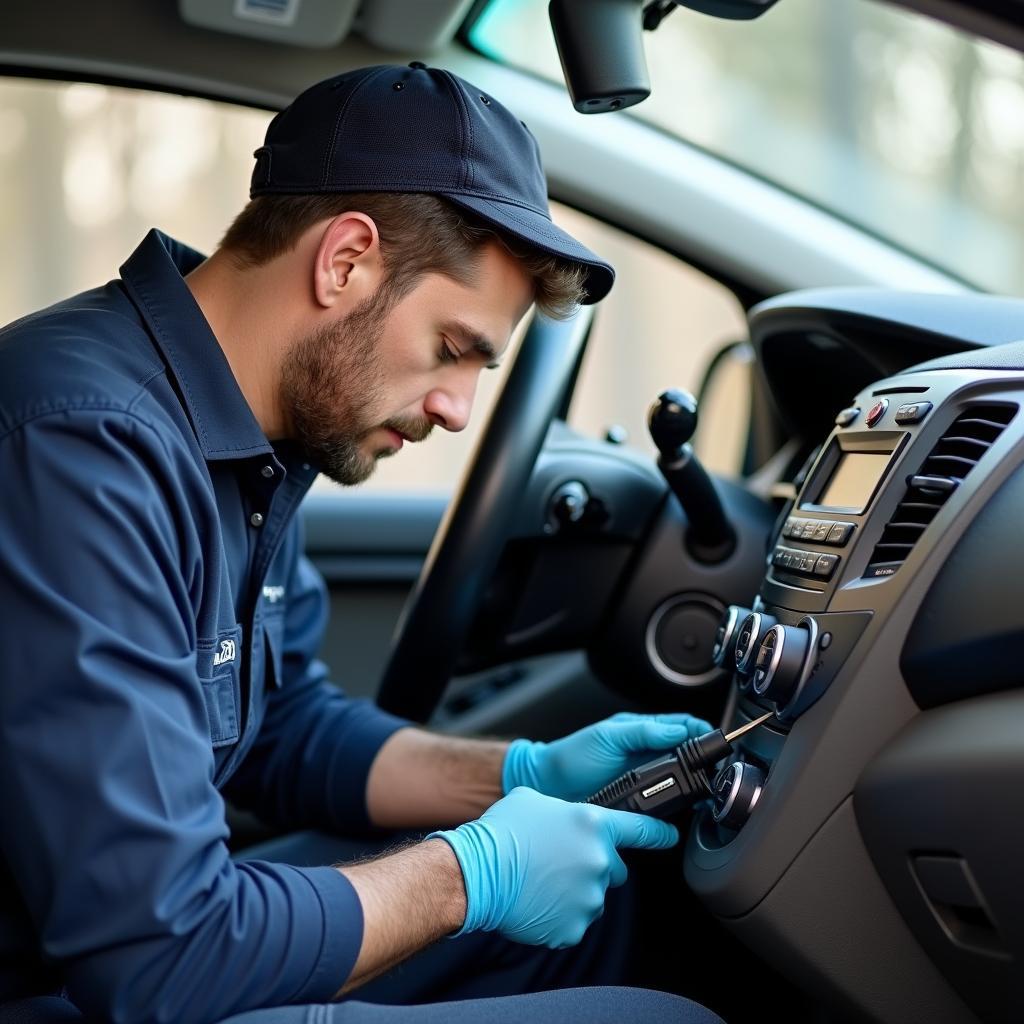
[476, 979]
[484, 979]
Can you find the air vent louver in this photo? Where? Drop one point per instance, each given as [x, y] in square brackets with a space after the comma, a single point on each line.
[957, 452]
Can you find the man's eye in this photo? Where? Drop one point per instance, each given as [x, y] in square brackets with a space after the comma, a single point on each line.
[448, 354]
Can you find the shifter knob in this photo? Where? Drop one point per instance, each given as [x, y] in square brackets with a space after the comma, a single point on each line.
[672, 420]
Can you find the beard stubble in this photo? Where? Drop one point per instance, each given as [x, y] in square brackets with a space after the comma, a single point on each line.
[330, 380]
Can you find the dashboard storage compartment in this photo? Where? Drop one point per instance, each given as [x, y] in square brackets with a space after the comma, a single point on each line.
[939, 810]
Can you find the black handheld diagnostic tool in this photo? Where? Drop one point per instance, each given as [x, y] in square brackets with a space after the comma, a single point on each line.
[669, 785]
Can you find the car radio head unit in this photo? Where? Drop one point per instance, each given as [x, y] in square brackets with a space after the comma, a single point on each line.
[854, 480]
[849, 472]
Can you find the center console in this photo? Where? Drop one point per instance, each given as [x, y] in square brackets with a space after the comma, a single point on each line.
[854, 839]
[897, 455]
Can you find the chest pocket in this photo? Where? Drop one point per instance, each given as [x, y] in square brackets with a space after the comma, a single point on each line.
[219, 662]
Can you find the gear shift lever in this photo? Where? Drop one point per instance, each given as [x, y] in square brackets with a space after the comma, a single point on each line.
[672, 420]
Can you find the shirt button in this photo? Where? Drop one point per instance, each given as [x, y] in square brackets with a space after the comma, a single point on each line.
[267, 471]
[256, 519]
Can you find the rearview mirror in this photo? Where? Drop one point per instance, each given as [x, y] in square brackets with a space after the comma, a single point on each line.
[601, 47]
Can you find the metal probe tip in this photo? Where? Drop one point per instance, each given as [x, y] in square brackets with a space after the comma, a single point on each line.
[746, 728]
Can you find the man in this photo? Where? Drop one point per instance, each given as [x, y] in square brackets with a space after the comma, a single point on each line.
[160, 622]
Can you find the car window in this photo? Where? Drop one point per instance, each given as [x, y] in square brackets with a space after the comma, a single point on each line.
[891, 119]
[89, 169]
[659, 328]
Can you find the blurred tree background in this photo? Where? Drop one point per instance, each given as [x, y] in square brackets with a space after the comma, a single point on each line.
[892, 120]
[895, 122]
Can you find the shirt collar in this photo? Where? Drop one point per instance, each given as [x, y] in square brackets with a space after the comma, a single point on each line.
[154, 278]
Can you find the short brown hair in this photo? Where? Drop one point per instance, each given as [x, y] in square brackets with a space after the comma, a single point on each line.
[419, 234]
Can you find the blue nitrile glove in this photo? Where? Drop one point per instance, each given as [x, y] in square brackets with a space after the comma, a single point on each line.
[578, 765]
[536, 869]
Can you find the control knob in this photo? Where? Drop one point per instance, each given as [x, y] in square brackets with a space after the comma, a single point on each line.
[737, 788]
[723, 653]
[779, 663]
[751, 631]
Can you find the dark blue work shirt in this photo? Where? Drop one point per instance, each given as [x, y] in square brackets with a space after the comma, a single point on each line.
[158, 631]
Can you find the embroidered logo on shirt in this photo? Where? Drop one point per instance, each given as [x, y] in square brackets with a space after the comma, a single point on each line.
[226, 654]
[273, 594]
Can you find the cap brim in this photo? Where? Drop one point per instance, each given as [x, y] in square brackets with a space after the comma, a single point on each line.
[538, 231]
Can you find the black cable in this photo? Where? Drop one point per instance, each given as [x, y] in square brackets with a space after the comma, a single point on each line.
[656, 12]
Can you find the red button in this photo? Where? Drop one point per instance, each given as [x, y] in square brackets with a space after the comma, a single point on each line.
[876, 412]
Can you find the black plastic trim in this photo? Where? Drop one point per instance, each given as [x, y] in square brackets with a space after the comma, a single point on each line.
[968, 636]
[945, 794]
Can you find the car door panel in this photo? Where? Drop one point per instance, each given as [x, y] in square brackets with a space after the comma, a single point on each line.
[369, 549]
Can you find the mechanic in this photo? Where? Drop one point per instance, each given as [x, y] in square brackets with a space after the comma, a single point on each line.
[160, 624]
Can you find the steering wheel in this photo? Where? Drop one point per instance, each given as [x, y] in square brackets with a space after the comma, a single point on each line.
[470, 538]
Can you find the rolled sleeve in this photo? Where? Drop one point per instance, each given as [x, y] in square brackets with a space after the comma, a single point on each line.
[342, 934]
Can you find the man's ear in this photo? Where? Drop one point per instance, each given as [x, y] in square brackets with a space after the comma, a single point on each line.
[348, 264]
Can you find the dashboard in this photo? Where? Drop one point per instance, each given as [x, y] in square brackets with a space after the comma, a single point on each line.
[867, 838]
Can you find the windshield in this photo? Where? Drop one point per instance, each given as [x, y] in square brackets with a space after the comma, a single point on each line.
[893, 121]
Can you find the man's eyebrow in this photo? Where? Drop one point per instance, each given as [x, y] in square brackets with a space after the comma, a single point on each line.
[474, 340]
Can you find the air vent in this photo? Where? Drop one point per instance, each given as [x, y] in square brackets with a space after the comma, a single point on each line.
[957, 452]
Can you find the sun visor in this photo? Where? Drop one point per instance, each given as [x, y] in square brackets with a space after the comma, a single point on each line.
[314, 23]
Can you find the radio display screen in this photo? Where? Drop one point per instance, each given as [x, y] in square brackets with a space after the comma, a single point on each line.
[854, 480]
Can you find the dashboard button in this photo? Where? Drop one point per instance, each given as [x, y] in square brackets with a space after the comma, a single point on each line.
[820, 531]
[799, 525]
[808, 563]
[839, 534]
[913, 413]
[876, 412]
[847, 416]
[787, 530]
[826, 565]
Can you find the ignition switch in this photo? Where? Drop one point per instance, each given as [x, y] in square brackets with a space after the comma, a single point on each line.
[569, 503]
[573, 507]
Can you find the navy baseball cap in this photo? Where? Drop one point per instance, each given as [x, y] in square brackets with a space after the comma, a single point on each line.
[393, 128]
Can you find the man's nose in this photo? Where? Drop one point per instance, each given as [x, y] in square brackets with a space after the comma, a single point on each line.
[450, 407]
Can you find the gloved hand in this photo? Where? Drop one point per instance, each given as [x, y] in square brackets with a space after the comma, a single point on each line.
[536, 869]
[579, 764]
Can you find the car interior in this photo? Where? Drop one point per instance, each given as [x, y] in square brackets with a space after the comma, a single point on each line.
[819, 529]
